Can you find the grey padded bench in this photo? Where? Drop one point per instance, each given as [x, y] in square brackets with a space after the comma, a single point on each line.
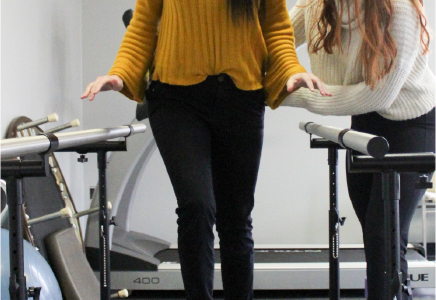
[70, 266]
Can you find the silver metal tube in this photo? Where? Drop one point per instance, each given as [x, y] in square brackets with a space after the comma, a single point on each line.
[50, 118]
[91, 211]
[369, 144]
[73, 123]
[63, 213]
[37, 144]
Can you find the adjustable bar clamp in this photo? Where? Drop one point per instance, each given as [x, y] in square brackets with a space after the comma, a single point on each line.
[423, 183]
[34, 292]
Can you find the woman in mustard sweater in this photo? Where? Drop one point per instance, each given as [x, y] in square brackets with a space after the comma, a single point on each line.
[214, 65]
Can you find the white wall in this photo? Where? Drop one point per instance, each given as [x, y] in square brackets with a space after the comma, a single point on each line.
[103, 30]
[430, 8]
[292, 192]
[42, 69]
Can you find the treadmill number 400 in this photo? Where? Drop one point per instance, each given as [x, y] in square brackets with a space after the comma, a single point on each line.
[147, 280]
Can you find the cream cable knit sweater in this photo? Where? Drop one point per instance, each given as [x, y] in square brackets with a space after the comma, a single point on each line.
[405, 93]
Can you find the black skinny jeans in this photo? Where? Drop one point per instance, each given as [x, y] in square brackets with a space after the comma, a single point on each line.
[410, 136]
[210, 137]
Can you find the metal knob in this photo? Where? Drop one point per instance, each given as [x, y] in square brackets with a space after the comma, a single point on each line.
[82, 159]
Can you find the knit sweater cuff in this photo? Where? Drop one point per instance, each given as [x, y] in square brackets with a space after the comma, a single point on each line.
[131, 89]
[276, 86]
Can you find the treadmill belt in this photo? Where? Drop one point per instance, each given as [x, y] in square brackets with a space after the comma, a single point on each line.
[306, 255]
[291, 255]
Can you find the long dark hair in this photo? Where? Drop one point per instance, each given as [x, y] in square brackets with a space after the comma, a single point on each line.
[243, 9]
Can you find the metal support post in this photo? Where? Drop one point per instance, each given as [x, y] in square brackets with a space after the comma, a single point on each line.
[105, 286]
[17, 280]
[392, 267]
[13, 171]
[334, 220]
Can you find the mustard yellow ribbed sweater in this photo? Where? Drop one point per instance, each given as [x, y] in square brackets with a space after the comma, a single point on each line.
[184, 41]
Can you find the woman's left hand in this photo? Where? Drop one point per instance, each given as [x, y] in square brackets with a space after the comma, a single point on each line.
[306, 80]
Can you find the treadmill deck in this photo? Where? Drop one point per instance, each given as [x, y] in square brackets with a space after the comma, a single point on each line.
[277, 269]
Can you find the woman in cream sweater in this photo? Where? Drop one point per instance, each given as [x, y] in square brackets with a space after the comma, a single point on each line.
[371, 55]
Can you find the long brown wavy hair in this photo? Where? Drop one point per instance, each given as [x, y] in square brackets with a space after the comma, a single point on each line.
[378, 47]
[244, 9]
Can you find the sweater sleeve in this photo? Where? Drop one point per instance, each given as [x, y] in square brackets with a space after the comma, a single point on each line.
[296, 14]
[137, 48]
[282, 58]
[359, 98]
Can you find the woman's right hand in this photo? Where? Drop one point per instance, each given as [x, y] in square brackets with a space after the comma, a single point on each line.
[103, 83]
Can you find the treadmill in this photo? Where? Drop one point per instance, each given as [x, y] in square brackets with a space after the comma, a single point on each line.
[143, 262]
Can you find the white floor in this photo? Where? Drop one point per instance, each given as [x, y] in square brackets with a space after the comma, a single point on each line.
[418, 294]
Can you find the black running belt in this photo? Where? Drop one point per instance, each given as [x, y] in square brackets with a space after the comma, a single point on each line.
[292, 255]
[281, 255]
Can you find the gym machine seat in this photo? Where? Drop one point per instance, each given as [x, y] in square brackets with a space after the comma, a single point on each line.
[69, 263]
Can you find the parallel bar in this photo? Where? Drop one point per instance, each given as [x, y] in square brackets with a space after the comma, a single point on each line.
[413, 162]
[373, 145]
[38, 144]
